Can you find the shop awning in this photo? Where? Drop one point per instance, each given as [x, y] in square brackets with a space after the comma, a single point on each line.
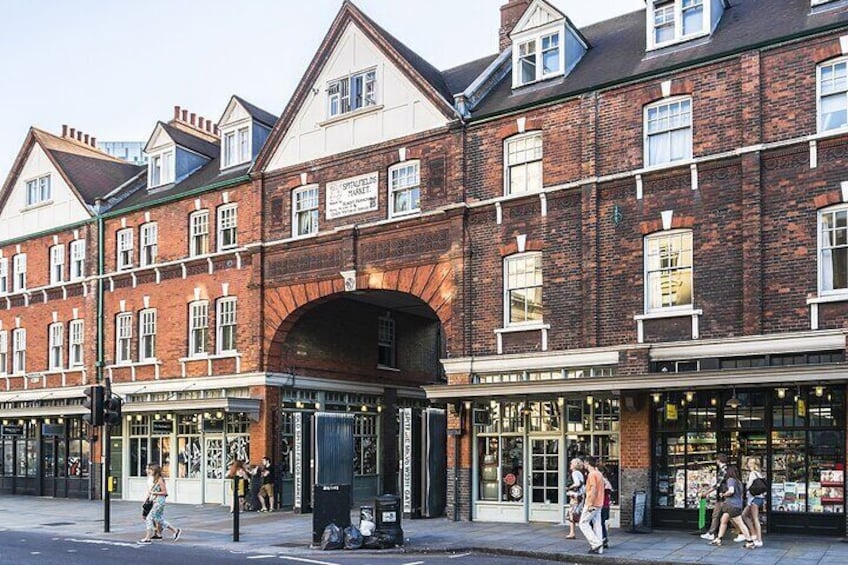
[227, 404]
[807, 374]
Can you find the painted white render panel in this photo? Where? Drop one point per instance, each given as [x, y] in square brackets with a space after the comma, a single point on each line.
[234, 113]
[159, 140]
[401, 108]
[65, 207]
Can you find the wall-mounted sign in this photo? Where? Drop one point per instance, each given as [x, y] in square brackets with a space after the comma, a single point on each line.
[210, 425]
[163, 426]
[56, 430]
[353, 195]
[671, 411]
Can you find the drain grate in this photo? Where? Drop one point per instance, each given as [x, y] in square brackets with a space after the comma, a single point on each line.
[58, 524]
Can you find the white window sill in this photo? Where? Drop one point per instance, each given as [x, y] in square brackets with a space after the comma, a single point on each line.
[677, 41]
[410, 214]
[387, 368]
[36, 206]
[525, 328]
[298, 237]
[225, 355]
[687, 162]
[827, 298]
[204, 357]
[354, 114]
[517, 86]
[662, 314]
[234, 165]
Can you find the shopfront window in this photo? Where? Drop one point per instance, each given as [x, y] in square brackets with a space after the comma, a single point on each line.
[78, 449]
[238, 440]
[188, 442]
[150, 442]
[592, 429]
[365, 444]
[501, 454]
[685, 447]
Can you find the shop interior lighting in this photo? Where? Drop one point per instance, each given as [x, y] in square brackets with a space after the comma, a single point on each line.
[169, 417]
[138, 417]
[781, 392]
[5, 422]
[20, 422]
[561, 400]
[317, 405]
[589, 399]
[379, 408]
[819, 391]
[468, 405]
[47, 421]
[713, 401]
[657, 397]
[733, 402]
[299, 404]
[364, 408]
[219, 414]
[690, 396]
[60, 421]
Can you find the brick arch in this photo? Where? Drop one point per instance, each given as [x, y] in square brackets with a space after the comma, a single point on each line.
[434, 284]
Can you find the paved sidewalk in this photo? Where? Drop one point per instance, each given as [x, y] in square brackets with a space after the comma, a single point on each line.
[288, 533]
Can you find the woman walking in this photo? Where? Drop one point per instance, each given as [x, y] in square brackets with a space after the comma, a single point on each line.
[238, 469]
[575, 495]
[731, 508]
[157, 495]
[605, 509]
[756, 502]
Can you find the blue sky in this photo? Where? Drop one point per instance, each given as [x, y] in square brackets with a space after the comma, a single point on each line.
[112, 68]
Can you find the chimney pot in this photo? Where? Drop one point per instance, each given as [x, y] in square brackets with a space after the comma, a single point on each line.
[184, 115]
[511, 12]
[192, 118]
[79, 135]
[64, 130]
[176, 112]
[85, 139]
[209, 126]
[94, 142]
[73, 132]
[215, 129]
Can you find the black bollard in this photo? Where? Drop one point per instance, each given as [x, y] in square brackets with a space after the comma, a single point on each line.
[236, 486]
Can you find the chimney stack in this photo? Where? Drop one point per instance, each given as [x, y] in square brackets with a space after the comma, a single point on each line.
[511, 12]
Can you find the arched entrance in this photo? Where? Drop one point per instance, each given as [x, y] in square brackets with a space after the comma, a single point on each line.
[366, 352]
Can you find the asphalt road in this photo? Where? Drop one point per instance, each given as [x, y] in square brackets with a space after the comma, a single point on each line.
[25, 548]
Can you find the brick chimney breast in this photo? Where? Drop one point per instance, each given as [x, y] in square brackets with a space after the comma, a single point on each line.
[511, 12]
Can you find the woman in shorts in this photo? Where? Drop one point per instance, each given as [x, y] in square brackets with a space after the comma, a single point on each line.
[756, 502]
[731, 508]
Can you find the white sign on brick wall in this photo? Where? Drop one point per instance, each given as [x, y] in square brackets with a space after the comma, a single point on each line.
[354, 195]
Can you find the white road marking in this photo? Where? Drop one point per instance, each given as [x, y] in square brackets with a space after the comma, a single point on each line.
[103, 542]
[303, 560]
[260, 556]
[35, 553]
[414, 563]
[458, 555]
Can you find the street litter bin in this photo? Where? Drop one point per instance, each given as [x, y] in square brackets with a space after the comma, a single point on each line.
[330, 505]
[387, 517]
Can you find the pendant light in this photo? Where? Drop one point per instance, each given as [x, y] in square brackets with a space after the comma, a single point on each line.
[733, 403]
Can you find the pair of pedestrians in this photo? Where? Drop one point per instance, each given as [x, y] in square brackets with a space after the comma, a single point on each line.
[592, 519]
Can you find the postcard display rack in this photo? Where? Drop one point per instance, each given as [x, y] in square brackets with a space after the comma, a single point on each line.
[790, 491]
[690, 469]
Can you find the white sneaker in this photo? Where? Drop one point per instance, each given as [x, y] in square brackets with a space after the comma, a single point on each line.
[739, 538]
[708, 536]
[758, 543]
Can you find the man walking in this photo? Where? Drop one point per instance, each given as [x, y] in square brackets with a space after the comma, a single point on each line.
[267, 488]
[719, 486]
[590, 519]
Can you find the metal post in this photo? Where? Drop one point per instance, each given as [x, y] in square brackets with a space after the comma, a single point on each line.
[107, 461]
[236, 501]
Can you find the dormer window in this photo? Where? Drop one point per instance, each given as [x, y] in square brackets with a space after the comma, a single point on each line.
[161, 168]
[539, 58]
[236, 146]
[38, 190]
[352, 93]
[673, 21]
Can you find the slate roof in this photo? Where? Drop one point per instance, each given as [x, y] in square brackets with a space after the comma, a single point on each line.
[618, 49]
[189, 141]
[459, 78]
[91, 172]
[257, 113]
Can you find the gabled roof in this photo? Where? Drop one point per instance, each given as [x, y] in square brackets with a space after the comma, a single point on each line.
[257, 113]
[90, 173]
[618, 50]
[424, 75]
[192, 142]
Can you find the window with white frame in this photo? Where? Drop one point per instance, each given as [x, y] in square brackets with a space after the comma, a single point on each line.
[4, 275]
[227, 221]
[125, 249]
[57, 264]
[672, 21]
[305, 211]
[198, 328]
[161, 169]
[225, 316]
[76, 341]
[19, 272]
[833, 95]
[386, 346]
[4, 352]
[19, 351]
[199, 233]
[123, 338]
[538, 58]
[405, 188]
[833, 250]
[56, 334]
[147, 334]
[38, 190]
[523, 163]
[149, 236]
[668, 131]
[668, 270]
[77, 259]
[236, 146]
[351, 93]
[523, 289]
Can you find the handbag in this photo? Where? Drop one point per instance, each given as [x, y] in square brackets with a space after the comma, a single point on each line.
[758, 487]
[146, 508]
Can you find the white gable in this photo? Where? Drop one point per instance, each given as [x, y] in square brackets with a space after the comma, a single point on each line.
[158, 140]
[235, 113]
[539, 13]
[63, 208]
[401, 108]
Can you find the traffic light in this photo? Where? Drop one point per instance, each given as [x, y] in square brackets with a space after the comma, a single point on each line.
[94, 402]
[112, 411]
